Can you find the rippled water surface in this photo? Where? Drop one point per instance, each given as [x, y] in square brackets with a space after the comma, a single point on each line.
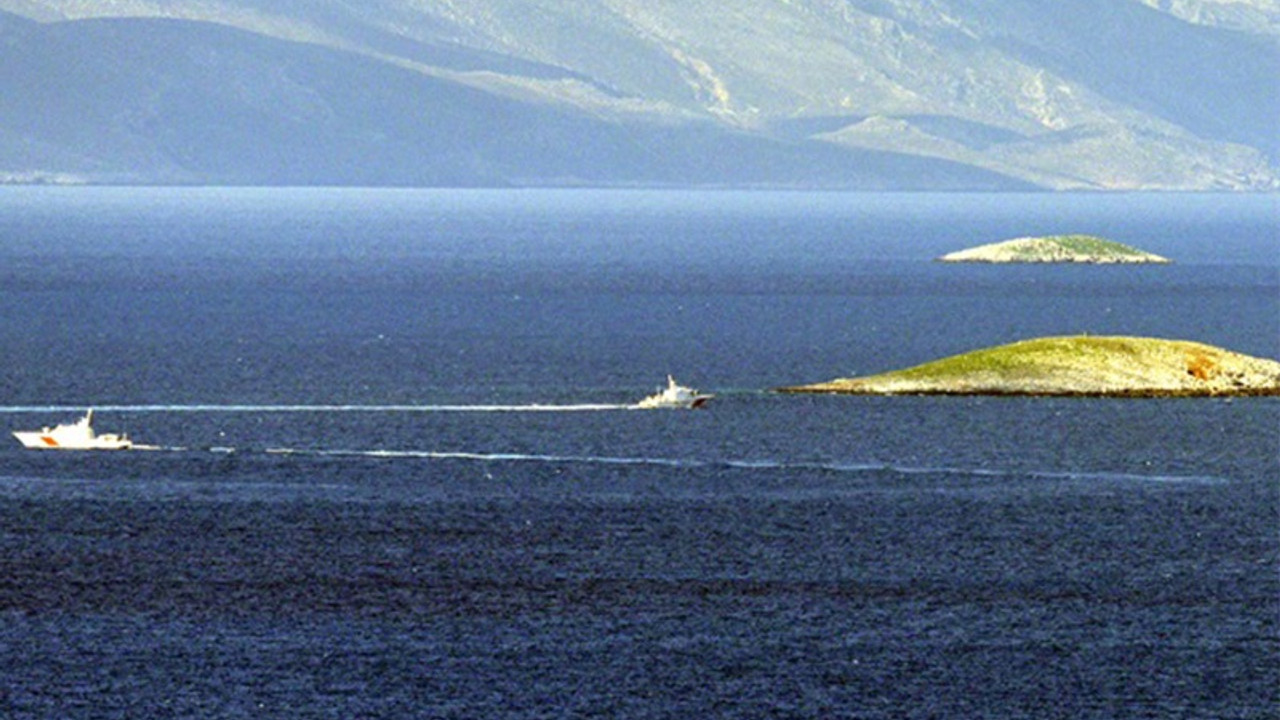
[397, 471]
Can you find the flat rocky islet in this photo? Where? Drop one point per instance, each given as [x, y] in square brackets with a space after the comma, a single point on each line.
[1055, 249]
[1099, 366]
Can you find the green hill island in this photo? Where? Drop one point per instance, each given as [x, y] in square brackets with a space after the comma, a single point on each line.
[1054, 249]
[1076, 366]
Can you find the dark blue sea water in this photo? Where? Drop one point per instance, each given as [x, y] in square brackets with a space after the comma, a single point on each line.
[398, 478]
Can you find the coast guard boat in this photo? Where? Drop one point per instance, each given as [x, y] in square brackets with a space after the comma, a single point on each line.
[674, 396]
[76, 436]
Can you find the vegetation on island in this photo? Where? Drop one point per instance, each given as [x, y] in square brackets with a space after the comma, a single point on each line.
[1076, 365]
[1055, 249]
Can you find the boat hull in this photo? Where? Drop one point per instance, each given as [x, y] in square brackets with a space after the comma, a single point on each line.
[50, 441]
[675, 396]
[75, 436]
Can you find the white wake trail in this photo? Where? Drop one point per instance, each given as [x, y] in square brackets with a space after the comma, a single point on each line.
[869, 468]
[211, 408]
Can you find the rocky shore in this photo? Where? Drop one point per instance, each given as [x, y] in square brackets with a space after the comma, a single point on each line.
[1054, 249]
[1076, 365]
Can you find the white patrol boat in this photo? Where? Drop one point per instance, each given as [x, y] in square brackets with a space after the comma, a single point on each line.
[674, 396]
[76, 436]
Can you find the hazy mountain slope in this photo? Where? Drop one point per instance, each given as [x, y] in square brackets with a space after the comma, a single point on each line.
[1215, 83]
[1248, 15]
[855, 93]
[143, 100]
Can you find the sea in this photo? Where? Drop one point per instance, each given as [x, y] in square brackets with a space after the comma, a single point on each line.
[395, 471]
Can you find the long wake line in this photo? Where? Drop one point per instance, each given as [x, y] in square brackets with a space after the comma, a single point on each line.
[762, 465]
[534, 407]
[765, 465]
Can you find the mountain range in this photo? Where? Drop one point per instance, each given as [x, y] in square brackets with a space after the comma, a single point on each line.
[854, 94]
